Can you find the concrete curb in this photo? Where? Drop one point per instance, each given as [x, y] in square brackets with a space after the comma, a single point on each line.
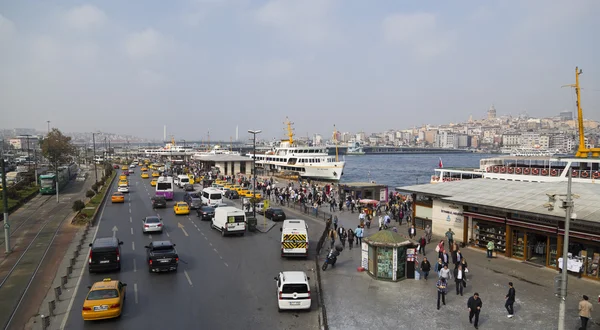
[322, 310]
[95, 216]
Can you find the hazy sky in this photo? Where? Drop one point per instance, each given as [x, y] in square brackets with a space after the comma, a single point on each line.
[209, 65]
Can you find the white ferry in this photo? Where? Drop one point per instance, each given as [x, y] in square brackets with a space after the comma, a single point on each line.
[305, 161]
[170, 149]
[216, 150]
[520, 168]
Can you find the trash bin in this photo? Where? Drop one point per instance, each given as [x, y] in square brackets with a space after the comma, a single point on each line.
[252, 221]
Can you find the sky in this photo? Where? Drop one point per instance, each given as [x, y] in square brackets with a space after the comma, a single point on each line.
[205, 67]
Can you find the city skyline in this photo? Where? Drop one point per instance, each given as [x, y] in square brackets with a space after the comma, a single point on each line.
[211, 65]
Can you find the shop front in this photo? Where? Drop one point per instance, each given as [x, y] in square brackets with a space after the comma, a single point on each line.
[486, 228]
[388, 256]
[583, 254]
[531, 242]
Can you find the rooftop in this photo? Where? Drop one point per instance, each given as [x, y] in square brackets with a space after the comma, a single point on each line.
[527, 197]
[224, 158]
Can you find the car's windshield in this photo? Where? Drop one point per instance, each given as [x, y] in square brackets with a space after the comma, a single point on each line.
[103, 294]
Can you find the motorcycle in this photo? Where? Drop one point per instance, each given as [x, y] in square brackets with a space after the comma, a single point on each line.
[332, 257]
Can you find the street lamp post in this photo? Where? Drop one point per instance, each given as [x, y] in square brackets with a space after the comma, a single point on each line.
[47, 121]
[254, 132]
[95, 165]
[5, 201]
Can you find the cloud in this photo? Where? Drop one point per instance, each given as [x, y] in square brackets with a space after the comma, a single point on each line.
[144, 44]
[7, 29]
[418, 31]
[151, 78]
[45, 49]
[308, 21]
[85, 17]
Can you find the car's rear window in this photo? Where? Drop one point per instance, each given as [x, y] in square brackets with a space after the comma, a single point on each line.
[103, 294]
[163, 249]
[215, 196]
[152, 220]
[297, 288]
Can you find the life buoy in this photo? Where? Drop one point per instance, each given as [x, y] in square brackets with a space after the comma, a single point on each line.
[496, 169]
[511, 170]
[488, 169]
[526, 171]
[596, 175]
[575, 174]
[554, 172]
[584, 174]
[544, 172]
[535, 171]
[518, 170]
[503, 169]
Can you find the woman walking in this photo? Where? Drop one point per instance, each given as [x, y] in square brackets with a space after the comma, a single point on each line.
[342, 236]
[350, 237]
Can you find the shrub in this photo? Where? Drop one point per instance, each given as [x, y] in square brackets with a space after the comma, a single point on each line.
[78, 205]
[95, 187]
[90, 194]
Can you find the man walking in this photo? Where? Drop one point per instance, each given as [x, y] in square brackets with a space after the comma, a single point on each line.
[510, 299]
[450, 236]
[490, 249]
[459, 279]
[474, 304]
[442, 289]
[359, 235]
[585, 311]
[422, 243]
[425, 267]
[412, 232]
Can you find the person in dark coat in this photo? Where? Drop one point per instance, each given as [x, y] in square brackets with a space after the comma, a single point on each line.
[474, 304]
[425, 267]
[422, 243]
[459, 279]
[510, 299]
[350, 237]
[442, 287]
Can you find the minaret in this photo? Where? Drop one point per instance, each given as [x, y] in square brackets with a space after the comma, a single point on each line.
[237, 133]
[165, 133]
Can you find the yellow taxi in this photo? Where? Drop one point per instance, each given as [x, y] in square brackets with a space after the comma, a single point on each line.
[228, 186]
[151, 166]
[181, 208]
[145, 175]
[117, 197]
[191, 177]
[153, 183]
[219, 181]
[104, 301]
[258, 195]
[144, 169]
[123, 177]
[155, 174]
[124, 167]
[123, 182]
[237, 188]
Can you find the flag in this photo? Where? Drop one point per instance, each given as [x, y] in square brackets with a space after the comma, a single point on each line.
[441, 165]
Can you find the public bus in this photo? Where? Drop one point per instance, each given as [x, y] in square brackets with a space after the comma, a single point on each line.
[164, 187]
[48, 181]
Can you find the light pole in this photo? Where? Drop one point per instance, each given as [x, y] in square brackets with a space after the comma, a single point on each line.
[95, 165]
[5, 201]
[47, 121]
[254, 132]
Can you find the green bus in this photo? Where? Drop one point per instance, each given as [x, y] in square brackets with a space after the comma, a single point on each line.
[48, 181]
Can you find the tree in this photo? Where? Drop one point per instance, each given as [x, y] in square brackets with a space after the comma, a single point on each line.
[57, 148]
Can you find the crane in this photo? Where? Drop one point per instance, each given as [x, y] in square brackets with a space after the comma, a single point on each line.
[582, 151]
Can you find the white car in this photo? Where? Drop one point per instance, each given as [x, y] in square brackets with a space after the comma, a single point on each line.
[131, 170]
[152, 224]
[132, 166]
[123, 188]
[293, 290]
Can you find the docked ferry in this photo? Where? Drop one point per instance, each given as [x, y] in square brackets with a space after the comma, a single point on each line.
[521, 168]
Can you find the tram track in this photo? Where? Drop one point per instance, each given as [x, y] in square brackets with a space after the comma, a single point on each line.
[21, 223]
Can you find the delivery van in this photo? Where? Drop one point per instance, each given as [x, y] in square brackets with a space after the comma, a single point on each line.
[229, 220]
[294, 238]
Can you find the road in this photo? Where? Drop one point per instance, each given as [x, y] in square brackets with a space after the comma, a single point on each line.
[222, 282]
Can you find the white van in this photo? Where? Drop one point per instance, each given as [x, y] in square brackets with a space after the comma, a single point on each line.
[182, 180]
[229, 220]
[212, 196]
[294, 238]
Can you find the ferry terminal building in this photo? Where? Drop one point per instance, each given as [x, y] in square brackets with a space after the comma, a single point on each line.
[513, 215]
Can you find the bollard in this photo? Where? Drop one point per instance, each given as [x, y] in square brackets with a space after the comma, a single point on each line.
[63, 280]
[76, 253]
[57, 293]
[73, 260]
[78, 247]
[81, 240]
[45, 322]
[51, 307]
[69, 270]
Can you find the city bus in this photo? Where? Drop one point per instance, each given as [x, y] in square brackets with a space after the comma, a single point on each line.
[164, 187]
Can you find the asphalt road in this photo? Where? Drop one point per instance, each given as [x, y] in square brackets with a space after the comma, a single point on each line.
[221, 283]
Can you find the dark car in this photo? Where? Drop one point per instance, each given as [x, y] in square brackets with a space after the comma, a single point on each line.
[206, 213]
[188, 187]
[161, 256]
[193, 200]
[105, 254]
[159, 202]
[275, 214]
[232, 194]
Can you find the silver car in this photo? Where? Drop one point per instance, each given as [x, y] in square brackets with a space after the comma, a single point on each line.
[152, 224]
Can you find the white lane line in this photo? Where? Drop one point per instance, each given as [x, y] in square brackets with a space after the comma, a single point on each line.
[133, 246]
[188, 277]
[132, 231]
[134, 266]
[219, 257]
[130, 219]
[202, 233]
[205, 238]
[150, 236]
[129, 211]
[168, 234]
[135, 292]
[210, 244]
[226, 265]
[198, 228]
[216, 250]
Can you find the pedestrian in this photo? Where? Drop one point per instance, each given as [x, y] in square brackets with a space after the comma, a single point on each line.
[445, 272]
[445, 258]
[450, 236]
[459, 257]
[425, 267]
[459, 279]
[585, 311]
[335, 222]
[474, 304]
[422, 243]
[463, 263]
[510, 299]
[440, 248]
[412, 232]
[332, 235]
[490, 249]
[350, 236]
[342, 235]
[441, 292]
[359, 235]
[380, 222]
[438, 266]
[428, 233]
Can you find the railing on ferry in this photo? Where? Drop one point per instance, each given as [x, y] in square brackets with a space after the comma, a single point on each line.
[553, 172]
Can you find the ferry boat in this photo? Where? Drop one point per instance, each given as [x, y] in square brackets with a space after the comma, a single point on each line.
[531, 152]
[170, 149]
[216, 150]
[304, 161]
[354, 148]
[521, 168]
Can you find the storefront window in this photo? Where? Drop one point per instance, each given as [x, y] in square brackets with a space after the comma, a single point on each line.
[518, 244]
[486, 231]
[422, 223]
[552, 260]
[536, 248]
[384, 262]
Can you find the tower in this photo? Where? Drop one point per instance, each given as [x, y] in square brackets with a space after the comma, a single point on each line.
[492, 112]
[237, 132]
[165, 133]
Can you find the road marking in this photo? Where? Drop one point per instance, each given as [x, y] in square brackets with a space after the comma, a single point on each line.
[202, 233]
[198, 228]
[129, 211]
[219, 257]
[205, 238]
[134, 266]
[210, 244]
[66, 317]
[188, 277]
[226, 265]
[216, 250]
[149, 236]
[135, 292]
[182, 228]
[133, 246]
[130, 219]
[132, 231]
[168, 234]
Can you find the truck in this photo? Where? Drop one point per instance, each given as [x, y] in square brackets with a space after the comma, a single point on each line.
[294, 238]
[161, 256]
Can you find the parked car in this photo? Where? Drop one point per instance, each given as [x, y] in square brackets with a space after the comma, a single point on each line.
[275, 214]
[206, 212]
[159, 202]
